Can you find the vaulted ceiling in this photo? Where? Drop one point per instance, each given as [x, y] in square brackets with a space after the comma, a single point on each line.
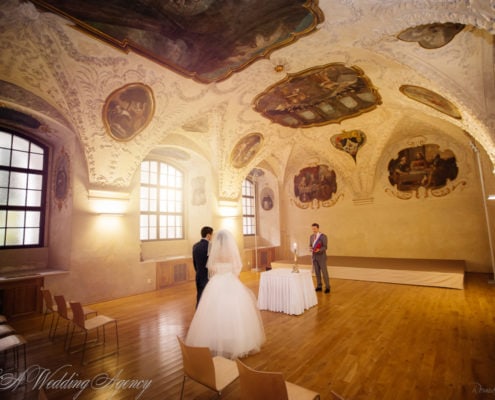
[296, 73]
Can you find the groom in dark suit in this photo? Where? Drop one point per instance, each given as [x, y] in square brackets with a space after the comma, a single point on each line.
[200, 257]
[318, 246]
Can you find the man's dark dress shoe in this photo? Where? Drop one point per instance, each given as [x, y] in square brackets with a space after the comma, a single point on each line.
[318, 289]
[327, 290]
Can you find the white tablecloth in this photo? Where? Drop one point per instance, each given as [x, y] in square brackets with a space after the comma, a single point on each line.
[282, 290]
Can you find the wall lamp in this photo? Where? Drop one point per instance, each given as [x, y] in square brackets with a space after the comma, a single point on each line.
[227, 208]
[106, 202]
[491, 197]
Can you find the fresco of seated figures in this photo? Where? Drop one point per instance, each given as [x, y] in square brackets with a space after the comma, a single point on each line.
[315, 186]
[423, 166]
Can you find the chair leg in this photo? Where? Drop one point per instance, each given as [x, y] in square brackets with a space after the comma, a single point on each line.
[117, 335]
[84, 346]
[43, 321]
[50, 331]
[55, 329]
[182, 388]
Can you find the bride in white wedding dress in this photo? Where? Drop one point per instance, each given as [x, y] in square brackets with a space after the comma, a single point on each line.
[227, 319]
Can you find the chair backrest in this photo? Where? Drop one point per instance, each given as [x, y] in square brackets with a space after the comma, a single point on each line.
[47, 298]
[61, 306]
[198, 364]
[77, 313]
[261, 385]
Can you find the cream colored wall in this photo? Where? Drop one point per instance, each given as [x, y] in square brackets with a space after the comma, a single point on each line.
[105, 256]
[448, 227]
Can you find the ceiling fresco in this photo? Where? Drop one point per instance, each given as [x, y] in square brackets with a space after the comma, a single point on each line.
[351, 76]
[431, 99]
[318, 96]
[207, 40]
[431, 36]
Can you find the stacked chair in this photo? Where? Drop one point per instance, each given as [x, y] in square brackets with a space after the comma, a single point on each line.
[11, 344]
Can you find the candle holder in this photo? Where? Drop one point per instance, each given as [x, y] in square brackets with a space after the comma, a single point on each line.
[295, 268]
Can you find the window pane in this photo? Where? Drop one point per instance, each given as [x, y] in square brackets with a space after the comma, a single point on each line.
[3, 196]
[19, 159]
[5, 157]
[15, 219]
[14, 237]
[33, 198]
[153, 178]
[17, 197]
[36, 149]
[31, 236]
[33, 218]
[18, 180]
[5, 140]
[35, 181]
[20, 144]
[4, 179]
[36, 162]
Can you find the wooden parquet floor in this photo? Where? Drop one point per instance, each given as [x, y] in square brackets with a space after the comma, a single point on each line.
[366, 340]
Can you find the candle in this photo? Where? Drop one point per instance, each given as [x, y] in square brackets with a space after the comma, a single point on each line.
[295, 247]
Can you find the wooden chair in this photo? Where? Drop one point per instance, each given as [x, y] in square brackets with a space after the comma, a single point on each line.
[50, 308]
[216, 373]
[64, 312]
[88, 325]
[261, 385]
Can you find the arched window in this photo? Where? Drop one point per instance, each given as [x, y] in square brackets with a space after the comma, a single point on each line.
[162, 201]
[23, 181]
[248, 208]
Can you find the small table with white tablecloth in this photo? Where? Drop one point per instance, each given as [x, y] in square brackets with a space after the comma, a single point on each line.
[282, 290]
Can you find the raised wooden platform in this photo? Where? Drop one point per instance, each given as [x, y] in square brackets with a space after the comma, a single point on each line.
[407, 271]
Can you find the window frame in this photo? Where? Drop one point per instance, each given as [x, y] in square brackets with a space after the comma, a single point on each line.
[42, 207]
[249, 202]
[153, 209]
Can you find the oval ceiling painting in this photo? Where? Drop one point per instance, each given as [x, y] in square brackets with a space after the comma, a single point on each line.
[246, 149]
[318, 96]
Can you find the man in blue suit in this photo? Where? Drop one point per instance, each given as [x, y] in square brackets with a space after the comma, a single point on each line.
[200, 258]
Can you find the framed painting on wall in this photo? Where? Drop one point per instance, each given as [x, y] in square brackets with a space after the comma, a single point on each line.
[128, 110]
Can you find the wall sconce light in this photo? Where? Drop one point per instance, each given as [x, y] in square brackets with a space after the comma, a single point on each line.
[491, 197]
[108, 202]
[228, 208]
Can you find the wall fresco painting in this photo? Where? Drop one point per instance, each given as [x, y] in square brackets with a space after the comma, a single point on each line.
[315, 186]
[423, 167]
[431, 36]
[431, 99]
[349, 141]
[318, 96]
